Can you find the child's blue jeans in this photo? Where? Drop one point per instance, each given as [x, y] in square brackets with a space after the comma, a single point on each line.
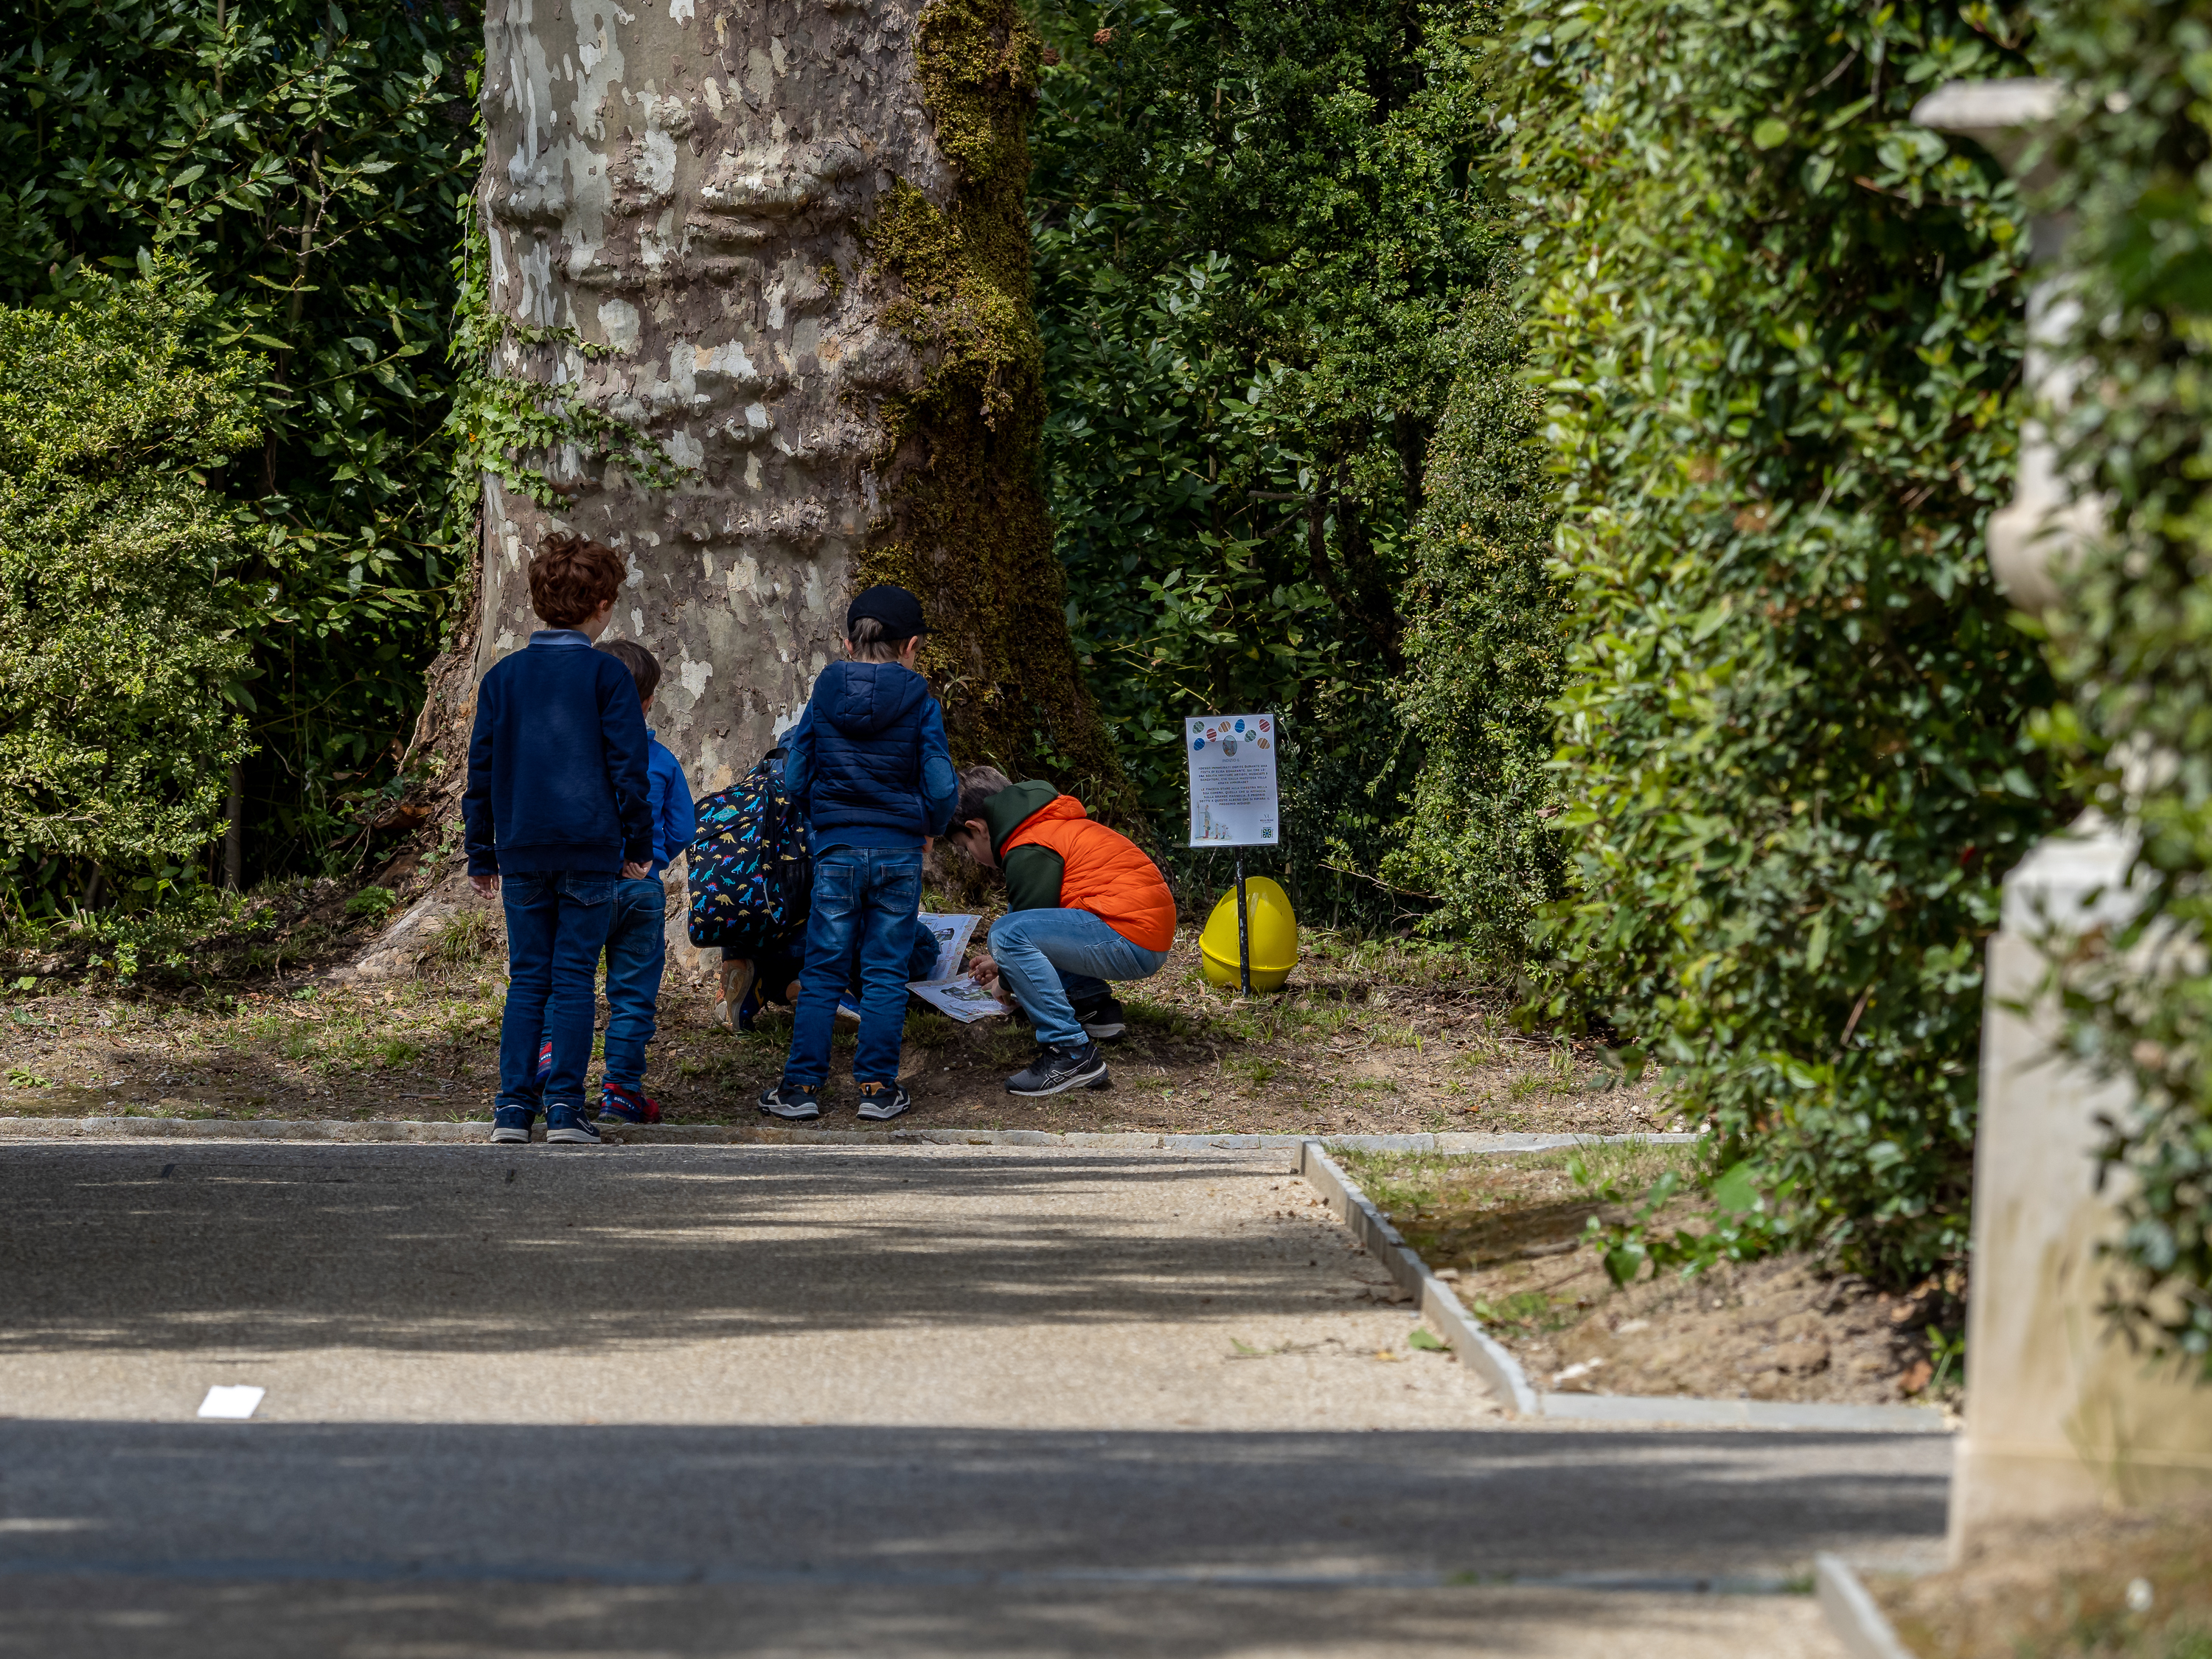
[637, 955]
[557, 925]
[866, 895]
[637, 952]
[1043, 955]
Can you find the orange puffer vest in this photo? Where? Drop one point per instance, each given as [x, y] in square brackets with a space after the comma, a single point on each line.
[1105, 872]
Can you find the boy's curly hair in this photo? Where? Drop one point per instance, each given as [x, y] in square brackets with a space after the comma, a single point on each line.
[572, 576]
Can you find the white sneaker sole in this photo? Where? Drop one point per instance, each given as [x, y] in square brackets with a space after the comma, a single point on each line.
[572, 1138]
[510, 1137]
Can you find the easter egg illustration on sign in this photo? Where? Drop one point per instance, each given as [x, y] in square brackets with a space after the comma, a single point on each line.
[1229, 746]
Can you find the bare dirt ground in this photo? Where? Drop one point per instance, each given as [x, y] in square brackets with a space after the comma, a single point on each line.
[247, 1023]
[2090, 1587]
[1509, 1231]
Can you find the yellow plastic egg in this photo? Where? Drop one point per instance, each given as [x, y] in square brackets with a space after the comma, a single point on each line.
[1269, 921]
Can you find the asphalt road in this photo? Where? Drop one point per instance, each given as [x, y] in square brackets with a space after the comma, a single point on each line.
[946, 1400]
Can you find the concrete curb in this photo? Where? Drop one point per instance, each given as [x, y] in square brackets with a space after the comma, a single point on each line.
[714, 1134]
[1502, 1374]
[1852, 1613]
[1500, 1371]
[1686, 1412]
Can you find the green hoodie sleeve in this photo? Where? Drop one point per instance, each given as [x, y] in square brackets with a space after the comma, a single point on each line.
[1033, 874]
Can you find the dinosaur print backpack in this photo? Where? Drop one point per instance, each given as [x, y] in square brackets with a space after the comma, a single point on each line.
[749, 871]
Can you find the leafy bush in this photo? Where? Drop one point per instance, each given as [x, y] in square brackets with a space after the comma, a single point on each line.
[306, 159]
[1485, 648]
[1781, 325]
[2134, 641]
[1256, 226]
[119, 657]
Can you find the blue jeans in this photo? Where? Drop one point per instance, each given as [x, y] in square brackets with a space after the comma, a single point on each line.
[637, 953]
[557, 925]
[1043, 954]
[865, 896]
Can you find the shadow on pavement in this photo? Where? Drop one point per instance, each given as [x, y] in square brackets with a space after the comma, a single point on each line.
[511, 1250]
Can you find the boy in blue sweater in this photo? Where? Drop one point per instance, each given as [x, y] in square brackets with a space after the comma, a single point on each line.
[558, 803]
[637, 941]
[869, 768]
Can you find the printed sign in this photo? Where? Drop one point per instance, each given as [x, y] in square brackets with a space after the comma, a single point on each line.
[1233, 798]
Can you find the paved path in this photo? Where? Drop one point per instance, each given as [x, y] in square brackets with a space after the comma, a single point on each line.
[692, 1401]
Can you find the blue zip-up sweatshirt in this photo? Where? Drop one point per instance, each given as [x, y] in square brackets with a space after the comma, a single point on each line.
[868, 764]
[675, 819]
[557, 778]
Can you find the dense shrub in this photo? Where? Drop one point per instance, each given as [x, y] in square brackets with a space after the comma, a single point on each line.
[306, 160]
[1485, 649]
[2134, 640]
[1781, 328]
[1256, 226]
[119, 662]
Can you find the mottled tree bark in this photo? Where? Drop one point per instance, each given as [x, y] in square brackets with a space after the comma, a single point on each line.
[784, 244]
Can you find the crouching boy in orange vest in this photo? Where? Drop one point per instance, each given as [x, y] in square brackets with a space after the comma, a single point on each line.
[1084, 906]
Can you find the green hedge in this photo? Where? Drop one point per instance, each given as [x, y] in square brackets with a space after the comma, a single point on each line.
[1780, 330]
[119, 656]
[2135, 643]
[1485, 647]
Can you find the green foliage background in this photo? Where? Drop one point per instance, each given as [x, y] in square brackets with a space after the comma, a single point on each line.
[307, 163]
[1780, 328]
[1485, 648]
[118, 568]
[2134, 642]
[1256, 227]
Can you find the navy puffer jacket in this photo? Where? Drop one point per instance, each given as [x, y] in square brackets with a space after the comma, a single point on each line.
[868, 764]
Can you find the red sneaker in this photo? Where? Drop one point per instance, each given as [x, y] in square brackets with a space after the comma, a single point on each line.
[621, 1104]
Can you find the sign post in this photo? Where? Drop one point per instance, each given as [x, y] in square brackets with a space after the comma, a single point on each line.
[1234, 800]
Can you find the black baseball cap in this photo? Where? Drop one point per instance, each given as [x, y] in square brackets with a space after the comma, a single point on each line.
[898, 610]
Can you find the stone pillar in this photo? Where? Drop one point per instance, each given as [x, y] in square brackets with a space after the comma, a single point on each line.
[2059, 1417]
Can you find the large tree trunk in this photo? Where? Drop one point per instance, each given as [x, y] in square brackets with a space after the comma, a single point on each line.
[768, 263]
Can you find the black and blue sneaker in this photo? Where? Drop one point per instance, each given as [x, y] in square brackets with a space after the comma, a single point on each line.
[565, 1127]
[510, 1126]
[1056, 1071]
[793, 1104]
[882, 1102]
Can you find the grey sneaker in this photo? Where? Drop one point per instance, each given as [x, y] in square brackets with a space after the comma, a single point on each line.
[882, 1102]
[795, 1105]
[1056, 1071]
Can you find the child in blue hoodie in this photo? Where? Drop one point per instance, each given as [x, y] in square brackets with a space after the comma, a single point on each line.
[558, 806]
[869, 768]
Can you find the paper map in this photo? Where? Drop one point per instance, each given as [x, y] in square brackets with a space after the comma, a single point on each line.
[947, 989]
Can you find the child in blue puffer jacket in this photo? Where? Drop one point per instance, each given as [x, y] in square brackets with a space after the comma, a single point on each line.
[869, 768]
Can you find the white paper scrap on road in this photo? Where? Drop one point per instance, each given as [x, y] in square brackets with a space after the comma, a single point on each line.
[1233, 798]
[962, 999]
[952, 934]
[236, 1400]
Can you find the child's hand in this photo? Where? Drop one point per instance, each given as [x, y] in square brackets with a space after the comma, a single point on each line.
[637, 871]
[486, 886]
[983, 970]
